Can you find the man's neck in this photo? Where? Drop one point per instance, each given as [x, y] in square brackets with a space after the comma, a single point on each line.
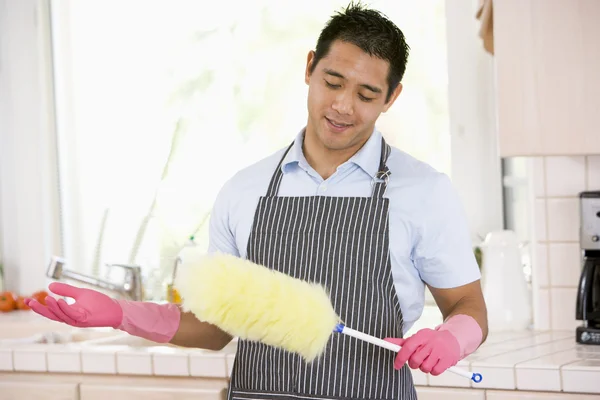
[325, 161]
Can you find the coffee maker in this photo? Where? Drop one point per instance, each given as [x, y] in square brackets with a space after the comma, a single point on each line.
[588, 293]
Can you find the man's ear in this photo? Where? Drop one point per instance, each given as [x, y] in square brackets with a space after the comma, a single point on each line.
[393, 97]
[310, 59]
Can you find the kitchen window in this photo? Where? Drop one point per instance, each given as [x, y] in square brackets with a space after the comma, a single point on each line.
[157, 104]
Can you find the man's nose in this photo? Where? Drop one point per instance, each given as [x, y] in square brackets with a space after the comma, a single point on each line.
[343, 102]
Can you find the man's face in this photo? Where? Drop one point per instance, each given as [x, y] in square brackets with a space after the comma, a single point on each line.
[347, 93]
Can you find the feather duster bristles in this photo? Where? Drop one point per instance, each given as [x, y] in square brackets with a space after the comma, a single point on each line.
[253, 302]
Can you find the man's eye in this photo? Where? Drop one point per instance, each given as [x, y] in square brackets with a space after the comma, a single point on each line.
[366, 99]
[331, 85]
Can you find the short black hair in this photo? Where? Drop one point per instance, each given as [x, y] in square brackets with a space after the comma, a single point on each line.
[372, 32]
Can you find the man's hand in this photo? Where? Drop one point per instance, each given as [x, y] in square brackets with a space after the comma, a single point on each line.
[431, 351]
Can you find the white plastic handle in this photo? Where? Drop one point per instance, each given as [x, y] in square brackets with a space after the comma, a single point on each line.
[341, 328]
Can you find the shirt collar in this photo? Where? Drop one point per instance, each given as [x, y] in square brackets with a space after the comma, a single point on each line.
[295, 156]
[367, 157]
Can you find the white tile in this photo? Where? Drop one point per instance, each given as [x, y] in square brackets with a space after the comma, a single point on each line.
[499, 337]
[565, 176]
[420, 378]
[6, 360]
[552, 361]
[533, 395]
[541, 225]
[208, 365]
[99, 360]
[592, 365]
[581, 377]
[495, 378]
[510, 359]
[593, 182]
[538, 379]
[485, 352]
[29, 359]
[230, 360]
[170, 362]
[431, 393]
[541, 312]
[450, 379]
[565, 264]
[539, 176]
[540, 265]
[563, 220]
[134, 362]
[494, 347]
[64, 360]
[586, 352]
[561, 334]
[563, 308]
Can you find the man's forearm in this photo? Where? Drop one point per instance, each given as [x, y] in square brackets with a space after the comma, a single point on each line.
[473, 307]
[195, 333]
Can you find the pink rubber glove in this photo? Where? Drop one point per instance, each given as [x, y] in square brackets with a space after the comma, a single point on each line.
[434, 351]
[151, 321]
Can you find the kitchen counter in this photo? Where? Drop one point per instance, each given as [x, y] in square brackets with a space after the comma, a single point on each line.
[548, 361]
[528, 360]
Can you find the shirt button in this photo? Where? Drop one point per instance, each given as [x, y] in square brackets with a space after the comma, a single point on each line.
[323, 188]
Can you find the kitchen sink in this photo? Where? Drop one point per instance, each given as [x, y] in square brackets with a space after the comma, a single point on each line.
[123, 339]
[22, 327]
[26, 328]
[74, 335]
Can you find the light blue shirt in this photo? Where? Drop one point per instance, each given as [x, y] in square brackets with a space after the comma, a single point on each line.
[429, 235]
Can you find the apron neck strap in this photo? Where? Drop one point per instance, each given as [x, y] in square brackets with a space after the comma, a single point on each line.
[381, 178]
[276, 178]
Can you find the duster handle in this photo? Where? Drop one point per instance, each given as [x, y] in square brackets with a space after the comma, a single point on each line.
[341, 328]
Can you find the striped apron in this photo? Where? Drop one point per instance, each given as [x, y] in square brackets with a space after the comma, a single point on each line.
[343, 244]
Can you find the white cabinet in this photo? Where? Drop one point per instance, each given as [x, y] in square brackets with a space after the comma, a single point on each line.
[547, 58]
[38, 390]
[433, 393]
[126, 392]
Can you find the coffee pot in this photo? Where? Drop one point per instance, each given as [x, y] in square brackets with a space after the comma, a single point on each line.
[588, 292]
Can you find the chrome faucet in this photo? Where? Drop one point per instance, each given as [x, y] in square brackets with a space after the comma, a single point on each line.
[130, 287]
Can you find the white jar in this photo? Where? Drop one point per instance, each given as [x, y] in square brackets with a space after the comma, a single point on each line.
[505, 288]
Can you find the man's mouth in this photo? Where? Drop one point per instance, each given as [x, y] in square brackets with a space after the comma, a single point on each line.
[338, 125]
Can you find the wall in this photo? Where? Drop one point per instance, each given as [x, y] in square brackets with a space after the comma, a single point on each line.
[544, 212]
[557, 182]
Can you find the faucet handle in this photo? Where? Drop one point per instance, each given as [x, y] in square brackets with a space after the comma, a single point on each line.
[129, 269]
[132, 281]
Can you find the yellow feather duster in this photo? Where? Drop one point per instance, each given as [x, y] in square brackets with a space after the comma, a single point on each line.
[253, 302]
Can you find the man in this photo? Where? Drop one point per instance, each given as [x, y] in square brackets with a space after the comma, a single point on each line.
[342, 208]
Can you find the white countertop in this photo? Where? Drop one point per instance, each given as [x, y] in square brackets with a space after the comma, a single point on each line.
[526, 360]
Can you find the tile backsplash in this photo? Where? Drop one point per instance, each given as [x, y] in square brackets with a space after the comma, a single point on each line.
[544, 211]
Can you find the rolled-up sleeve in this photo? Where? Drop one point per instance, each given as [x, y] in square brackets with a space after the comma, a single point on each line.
[444, 253]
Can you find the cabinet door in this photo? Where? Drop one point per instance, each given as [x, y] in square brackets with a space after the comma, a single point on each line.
[37, 391]
[434, 393]
[521, 395]
[547, 61]
[124, 392]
